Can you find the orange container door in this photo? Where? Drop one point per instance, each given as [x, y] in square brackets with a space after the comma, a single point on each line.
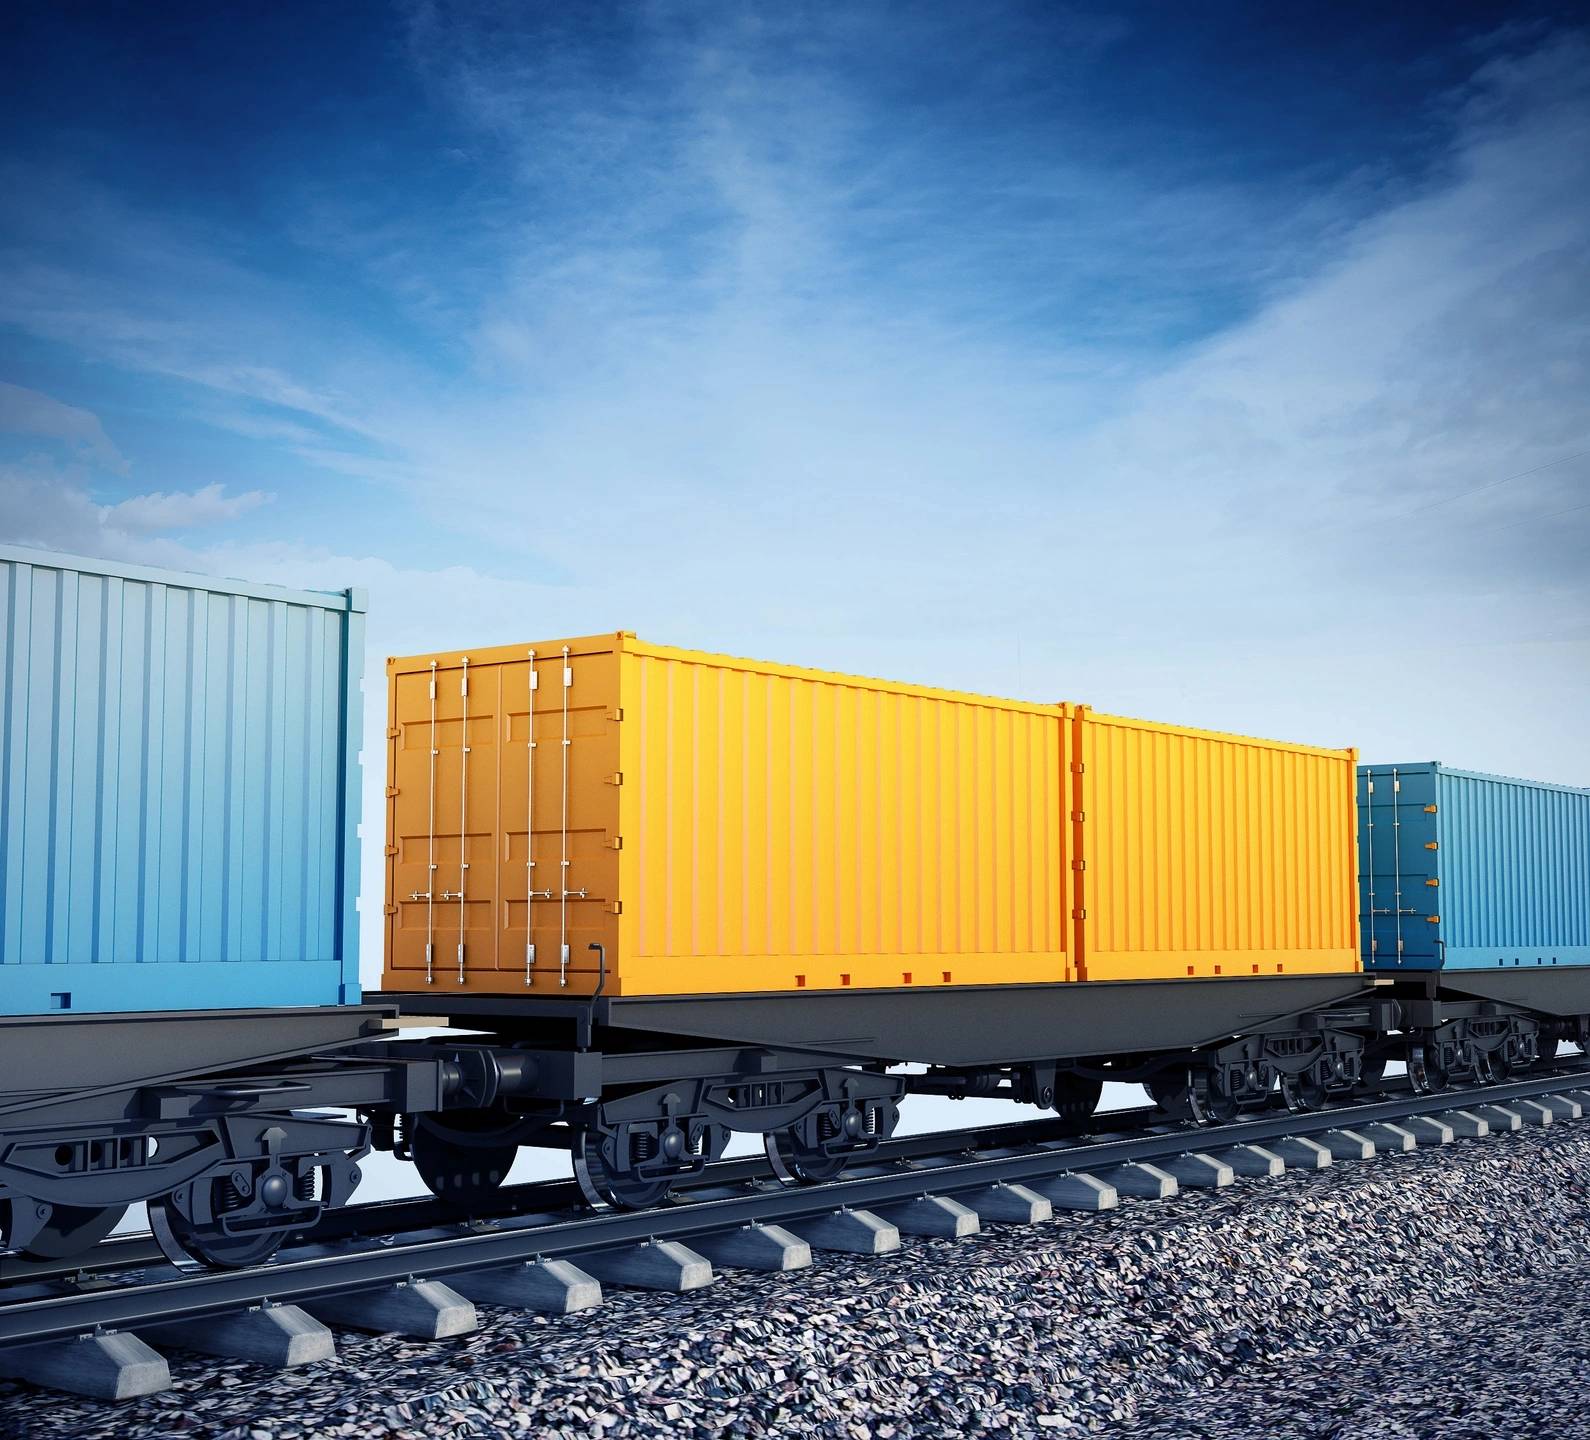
[535, 879]
[441, 832]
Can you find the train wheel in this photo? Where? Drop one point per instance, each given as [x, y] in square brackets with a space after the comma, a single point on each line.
[184, 1242]
[1210, 1101]
[1494, 1066]
[459, 1165]
[1075, 1099]
[1172, 1092]
[69, 1230]
[603, 1183]
[1372, 1071]
[1302, 1093]
[796, 1163]
[822, 1143]
[1425, 1070]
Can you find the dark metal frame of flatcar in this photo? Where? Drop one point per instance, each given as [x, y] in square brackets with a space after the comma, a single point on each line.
[1460, 1015]
[955, 1025]
[211, 1293]
[123, 1051]
[1239, 1029]
[134, 1127]
[805, 1067]
[1557, 990]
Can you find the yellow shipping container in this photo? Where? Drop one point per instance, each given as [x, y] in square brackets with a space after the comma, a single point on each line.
[717, 825]
[1209, 854]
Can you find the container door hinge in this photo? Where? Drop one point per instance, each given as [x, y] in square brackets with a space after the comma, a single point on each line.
[1432, 881]
[617, 842]
[392, 792]
[616, 908]
[1079, 914]
[1079, 864]
[394, 733]
[1431, 809]
[616, 778]
[616, 713]
[391, 909]
[1432, 845]
[1079, 816]
[1078, 768]
[391, 849]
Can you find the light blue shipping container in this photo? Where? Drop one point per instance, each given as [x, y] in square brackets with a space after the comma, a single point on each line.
[179, 789]
[1471, 871]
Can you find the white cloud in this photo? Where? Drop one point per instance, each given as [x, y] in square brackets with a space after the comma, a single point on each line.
[162, 511]
[47, 502]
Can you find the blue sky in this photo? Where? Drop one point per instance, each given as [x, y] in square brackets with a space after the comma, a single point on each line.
[1217, 363]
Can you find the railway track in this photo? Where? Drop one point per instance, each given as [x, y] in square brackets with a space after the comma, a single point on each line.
[415, 1266]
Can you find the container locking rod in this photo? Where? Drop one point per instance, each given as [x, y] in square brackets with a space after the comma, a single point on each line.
[430, 848]
[530, 892]
[463, 802]
[563, 872]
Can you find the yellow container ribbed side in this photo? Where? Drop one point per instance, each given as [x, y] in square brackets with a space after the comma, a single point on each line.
[1212, 854]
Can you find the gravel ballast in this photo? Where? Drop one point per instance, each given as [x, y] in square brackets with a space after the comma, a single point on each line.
[1441, 1293]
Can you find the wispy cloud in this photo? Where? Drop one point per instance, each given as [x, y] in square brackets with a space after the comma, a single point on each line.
[32, 413]
[755, 342]
[167, 294]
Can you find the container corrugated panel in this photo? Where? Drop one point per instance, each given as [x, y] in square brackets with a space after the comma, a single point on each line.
[178, 790]
[1471, 871]
[1209, 854]
[731, 826]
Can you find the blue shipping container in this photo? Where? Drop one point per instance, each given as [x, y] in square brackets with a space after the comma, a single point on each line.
[179, 789]
[1471, 871]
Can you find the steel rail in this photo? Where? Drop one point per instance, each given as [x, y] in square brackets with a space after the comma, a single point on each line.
[186, 1296]
[378, 1218]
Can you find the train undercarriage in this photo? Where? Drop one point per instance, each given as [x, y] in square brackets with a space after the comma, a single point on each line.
[261, 1125]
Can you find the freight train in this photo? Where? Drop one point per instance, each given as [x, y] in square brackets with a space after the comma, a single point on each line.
[652, 897]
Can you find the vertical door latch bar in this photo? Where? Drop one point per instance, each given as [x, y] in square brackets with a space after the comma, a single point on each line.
[530, 891]
[564, 892]
[463, 809]
[428, 895]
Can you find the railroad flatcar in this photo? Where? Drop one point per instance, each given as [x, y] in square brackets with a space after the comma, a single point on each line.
[698, 894]
[179, 794]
